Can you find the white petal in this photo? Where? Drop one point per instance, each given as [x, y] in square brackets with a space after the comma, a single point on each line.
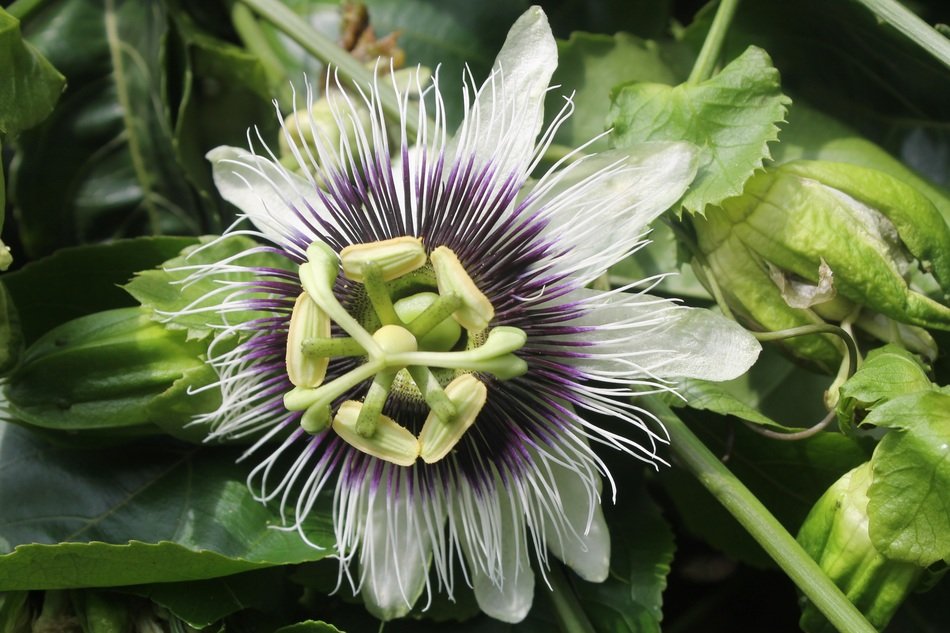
[586, 547]
[641, 335]
[396, 550]
[600, 206]
[505, 118]
[266, 192]
[498, 563]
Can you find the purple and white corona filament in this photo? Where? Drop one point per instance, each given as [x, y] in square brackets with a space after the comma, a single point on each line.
[432, 360]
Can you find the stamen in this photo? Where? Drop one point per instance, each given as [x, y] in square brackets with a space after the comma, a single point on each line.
[390, 441]
[395, 257]
[476, 311]
[378, 294]
[300, 398]
[317, 277]
[373, 403]
[329, 347]
[432, 391]
[494, 356]
[440, 435]
[307, 321]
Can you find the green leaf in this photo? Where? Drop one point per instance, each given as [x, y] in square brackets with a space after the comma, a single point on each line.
[731, 117]
[108, 147]
[201, 603]
[30, 85]
[160, 291]
[78, 281]
[631, 599]
[909, 497]
[888, 372]
[589, 66]
[152, 513]
[309, 626]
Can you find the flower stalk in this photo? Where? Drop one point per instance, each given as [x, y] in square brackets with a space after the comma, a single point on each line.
[758, 522]
[329, 52]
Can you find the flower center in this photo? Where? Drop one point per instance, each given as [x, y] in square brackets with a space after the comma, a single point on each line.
[416, 333]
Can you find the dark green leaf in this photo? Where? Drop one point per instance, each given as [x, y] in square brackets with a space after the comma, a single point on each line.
[14, 611]
[909, 497]
[103, 165]
[643, 18]
[158, 289]
[839, 57]
[78, 281]
[759, 394]
[452, 33]
[201, 603]
[101, 611]
[224, 91]
[788, 477]
[589, 66]
[631, 599]
[731, 117]
[11, 336]
[29, 86]
[152, 513]
[309, 626]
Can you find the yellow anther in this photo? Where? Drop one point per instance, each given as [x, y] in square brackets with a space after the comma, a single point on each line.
[438, 437]
[395, 257]
[307, 321]
[476, 310]
[391, 442]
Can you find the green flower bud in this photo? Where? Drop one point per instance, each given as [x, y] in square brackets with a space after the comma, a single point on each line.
[810, 241]
[301, 128]
[113, 374]
[835, 533]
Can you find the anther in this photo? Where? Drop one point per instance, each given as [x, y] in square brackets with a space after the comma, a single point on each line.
[439, 436]
[390, 441]
[307, 321]
[476, 310]
[395, 257]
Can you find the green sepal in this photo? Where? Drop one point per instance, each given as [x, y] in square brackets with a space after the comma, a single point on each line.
[835, 534]
[109, 374]
[887, 372]
[922, 229]
[795, 221]
[163, 292]
[744, 280]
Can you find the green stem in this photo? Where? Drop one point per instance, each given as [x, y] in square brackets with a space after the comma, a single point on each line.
[709, 54]
[908, 23]
[759, 522]
[570, 615]
[329, 52]
[254, 39]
